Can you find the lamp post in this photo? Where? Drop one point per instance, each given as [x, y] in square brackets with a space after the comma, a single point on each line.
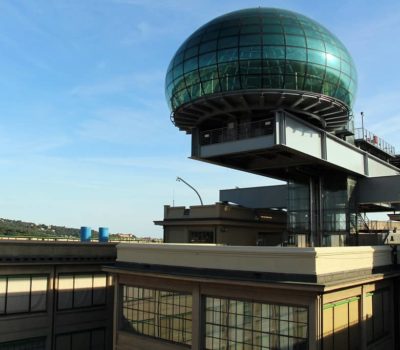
[182, 180]
[362, 123]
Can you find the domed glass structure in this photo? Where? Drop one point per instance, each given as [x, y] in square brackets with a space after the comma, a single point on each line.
[261, 49]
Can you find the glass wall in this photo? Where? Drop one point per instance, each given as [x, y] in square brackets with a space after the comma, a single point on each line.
[157, 313]
[93, 339]
[298, 208]
[22, 293]
[260, 49]
[81, 290]
[25, 344]
[238, 324]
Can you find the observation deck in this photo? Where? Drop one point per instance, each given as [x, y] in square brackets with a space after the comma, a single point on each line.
[371, 143]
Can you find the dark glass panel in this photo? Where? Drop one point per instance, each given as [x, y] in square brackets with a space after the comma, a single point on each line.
[178, 58]
[273, 39]
[208, 59]
[208, 73]
[210, 86]
[195, 91]
[250, 40]
[231, 68]
[228, 42]
[250, 67]
[250, 52]
[316, 57]
[210, 36]
[230, 31]
[250, 29]
[191, 52]
[272, 81]
[230, 83]
[294, 81]
[274, 52]
[274, 67]
[251, 81]
[208, 46]
[295, 40]
[296, 53]
[179, 83]
[227, 55]
[190, 64]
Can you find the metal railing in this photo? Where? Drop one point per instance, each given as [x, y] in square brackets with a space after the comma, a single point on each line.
[236, 132]
[368, 136]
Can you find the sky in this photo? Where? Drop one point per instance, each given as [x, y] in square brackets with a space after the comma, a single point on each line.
[85, 134]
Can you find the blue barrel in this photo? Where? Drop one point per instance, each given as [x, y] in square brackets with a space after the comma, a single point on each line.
[103, 234]
[86, 234]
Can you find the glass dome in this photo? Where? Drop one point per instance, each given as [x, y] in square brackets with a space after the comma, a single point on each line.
[263, 49]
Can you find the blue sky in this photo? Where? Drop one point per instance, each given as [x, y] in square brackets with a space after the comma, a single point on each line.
[85, 135]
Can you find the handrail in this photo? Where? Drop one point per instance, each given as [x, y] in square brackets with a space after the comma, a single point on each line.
[371, 138]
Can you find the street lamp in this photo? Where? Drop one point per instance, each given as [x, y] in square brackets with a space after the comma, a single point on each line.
[182, 180]
[362, 122]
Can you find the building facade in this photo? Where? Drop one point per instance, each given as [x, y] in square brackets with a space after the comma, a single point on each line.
[55, 296]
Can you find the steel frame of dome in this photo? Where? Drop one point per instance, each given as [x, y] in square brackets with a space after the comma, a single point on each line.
[324, 111]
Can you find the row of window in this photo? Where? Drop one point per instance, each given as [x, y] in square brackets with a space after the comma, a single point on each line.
[28, 293]
[93, 339]
[229, 323]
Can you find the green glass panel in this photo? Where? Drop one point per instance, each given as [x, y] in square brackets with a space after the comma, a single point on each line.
[329, 89]
[250, 40]
[273, 39]
[208, 59]
[316, 57]
[178, 58]
[295, 40]
[192, 78]
[227, 55]
[228, 42]
[250, 52]
[169, 78]
[195, 91]
[298, 67]
[296, 53]
[179, 83]
[332, 61]
[332, 75]
[274, 67]
[272, 28]
[190, 64]
[312, 84]
[274, 52]
[294, 30]
[315, 44]
[311, 33]
[208, 46]
[316, 71]
[345, 68]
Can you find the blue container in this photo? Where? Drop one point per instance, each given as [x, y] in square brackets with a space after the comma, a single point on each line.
[103, 234]
[86, 234]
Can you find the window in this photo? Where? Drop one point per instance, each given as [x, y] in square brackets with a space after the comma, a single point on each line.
[93, 339]
[158, 313]
[341, 324]
[238, 324]
[21, 293]
[25, 344]
[81, 290]
[201, 237]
